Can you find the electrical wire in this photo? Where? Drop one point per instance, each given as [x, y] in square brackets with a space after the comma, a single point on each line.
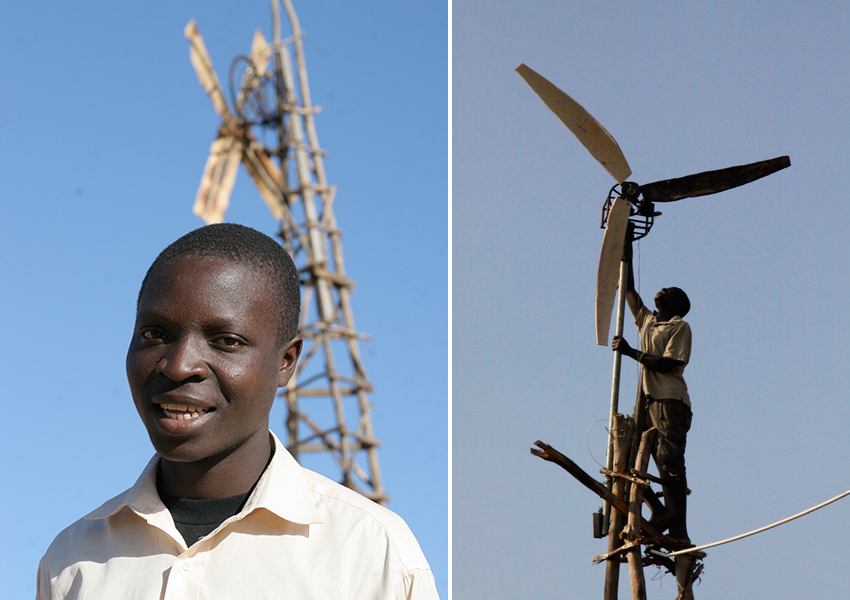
[589, 450]
[755, 531]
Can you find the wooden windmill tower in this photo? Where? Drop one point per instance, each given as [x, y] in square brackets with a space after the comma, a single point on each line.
[327, 399]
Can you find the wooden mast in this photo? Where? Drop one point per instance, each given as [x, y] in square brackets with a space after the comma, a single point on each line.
[328, 397]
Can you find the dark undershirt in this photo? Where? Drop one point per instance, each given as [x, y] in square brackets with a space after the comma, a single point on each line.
[196, 518]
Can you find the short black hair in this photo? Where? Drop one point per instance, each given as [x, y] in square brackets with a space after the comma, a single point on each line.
[246, 246]
[681, 301]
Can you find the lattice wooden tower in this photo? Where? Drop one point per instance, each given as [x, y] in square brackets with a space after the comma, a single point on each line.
[328, 398]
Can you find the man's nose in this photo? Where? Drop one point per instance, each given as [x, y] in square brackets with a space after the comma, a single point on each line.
[183, 359]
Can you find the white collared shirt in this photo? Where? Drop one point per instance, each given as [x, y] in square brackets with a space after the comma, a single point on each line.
[299, 535]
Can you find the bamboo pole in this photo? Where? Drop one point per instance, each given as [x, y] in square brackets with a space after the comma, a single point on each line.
[636, 578]
[622, 433]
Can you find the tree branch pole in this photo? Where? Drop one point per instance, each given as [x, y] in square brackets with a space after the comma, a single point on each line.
[622, 434]
[615, 385]
[549, 453]
[633, 529]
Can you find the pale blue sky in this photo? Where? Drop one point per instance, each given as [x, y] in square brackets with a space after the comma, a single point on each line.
[105, 133]
[683, 87]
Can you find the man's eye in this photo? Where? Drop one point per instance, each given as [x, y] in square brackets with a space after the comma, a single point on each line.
[152, 334]
[230, 342]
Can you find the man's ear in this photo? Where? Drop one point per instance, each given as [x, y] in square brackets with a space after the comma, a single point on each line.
[289, 359]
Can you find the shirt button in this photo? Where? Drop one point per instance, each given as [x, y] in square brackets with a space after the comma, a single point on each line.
[187, 565]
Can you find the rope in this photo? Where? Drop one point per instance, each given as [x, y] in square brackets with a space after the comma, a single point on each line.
[755, 531]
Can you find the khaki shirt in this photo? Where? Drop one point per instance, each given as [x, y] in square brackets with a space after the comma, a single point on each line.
[299, 535]
[665, 338]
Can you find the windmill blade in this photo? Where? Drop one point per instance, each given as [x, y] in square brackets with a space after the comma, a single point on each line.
[261, 52]
[608, 276]
[711, 182]
[266, 175]
[204, 70]
[589, 132]
[213, 195]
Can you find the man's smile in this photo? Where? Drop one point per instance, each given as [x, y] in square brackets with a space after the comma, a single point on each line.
[181, 412]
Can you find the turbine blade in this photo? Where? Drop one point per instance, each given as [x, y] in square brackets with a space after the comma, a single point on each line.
[213, 195]
[711, 182]
[266, 175]
[608, 276]
[589, 132]
[204, 70]
[261, 52]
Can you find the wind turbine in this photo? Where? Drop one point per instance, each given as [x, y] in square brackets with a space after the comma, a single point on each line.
[630, 202]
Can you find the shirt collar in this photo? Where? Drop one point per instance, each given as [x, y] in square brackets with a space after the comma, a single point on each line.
[673, 319]
[282, 490]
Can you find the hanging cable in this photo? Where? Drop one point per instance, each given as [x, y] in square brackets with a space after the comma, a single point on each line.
[609, 436]
[755, 531]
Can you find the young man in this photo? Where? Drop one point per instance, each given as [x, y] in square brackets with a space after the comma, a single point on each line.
[665, 342]
[222, 510]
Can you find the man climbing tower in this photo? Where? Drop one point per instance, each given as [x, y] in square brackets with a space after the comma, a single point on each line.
[665, 349]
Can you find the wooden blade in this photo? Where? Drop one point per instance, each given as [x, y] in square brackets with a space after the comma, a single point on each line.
[711, 182]
[608, 276]
[204, 70]
[266, 174]
[589, 132]
[213, 195]
[261, 52]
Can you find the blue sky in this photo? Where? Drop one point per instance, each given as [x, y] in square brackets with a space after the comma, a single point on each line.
[683, 88]
[106, 131]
